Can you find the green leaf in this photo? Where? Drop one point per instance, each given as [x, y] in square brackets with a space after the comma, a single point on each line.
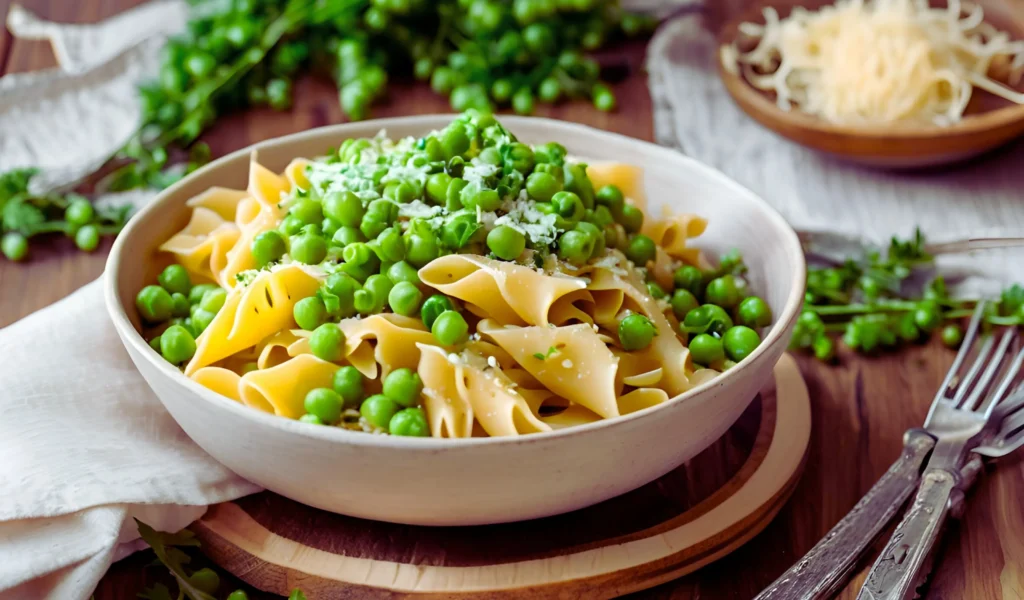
[297, 595]
[167, 547]
[22, 216]
[1011, 300]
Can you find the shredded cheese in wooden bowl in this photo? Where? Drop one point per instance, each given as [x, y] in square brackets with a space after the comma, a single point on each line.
[877, 61]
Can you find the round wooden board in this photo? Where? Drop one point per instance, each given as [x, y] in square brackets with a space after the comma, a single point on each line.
[688, 518]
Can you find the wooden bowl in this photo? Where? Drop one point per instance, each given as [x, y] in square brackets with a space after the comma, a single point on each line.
[989, 121]
[429, 481]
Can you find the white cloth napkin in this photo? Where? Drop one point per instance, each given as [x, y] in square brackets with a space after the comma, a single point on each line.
[694, 113]
[86, 446]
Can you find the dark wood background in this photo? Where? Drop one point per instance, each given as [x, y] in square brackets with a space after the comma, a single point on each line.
[861, 407]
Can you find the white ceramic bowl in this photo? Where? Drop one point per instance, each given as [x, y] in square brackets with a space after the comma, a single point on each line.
[480, 480]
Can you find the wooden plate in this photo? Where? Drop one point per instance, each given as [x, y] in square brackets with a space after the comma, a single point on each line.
[686, 519]
[989, 122]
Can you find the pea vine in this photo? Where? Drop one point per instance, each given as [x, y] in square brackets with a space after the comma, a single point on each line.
[872, 305]
[238, 54]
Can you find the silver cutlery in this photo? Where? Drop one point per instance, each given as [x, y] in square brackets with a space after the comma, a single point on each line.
[827, 566]
[836, 248]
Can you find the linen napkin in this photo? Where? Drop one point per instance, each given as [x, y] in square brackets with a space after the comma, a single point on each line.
[86, 448]
[694, 113]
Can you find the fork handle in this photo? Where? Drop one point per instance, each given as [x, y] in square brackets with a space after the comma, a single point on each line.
[904, 563]
[827, 566]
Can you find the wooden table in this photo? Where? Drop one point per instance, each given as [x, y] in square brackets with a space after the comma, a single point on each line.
[861, 407]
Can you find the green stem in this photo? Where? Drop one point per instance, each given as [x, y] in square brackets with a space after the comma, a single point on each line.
[860, 309]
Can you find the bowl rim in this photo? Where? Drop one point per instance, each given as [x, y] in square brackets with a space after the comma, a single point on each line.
[131, 337]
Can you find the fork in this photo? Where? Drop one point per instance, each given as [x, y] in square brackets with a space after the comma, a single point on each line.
[827, 566]
[961, 417]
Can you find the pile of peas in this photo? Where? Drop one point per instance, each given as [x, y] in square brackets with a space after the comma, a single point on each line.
[181, 309]
[717, 312]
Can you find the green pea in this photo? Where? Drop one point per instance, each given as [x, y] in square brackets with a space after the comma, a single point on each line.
[641, 250]
[205, 579]
[542, 186]
[475, 195]
[177, 345]
[576, 181]
[403, 271]
[310, 313]
[723, 291]
[155, 343]
[279, 93]
[403, 386]
[601, 217]
[754, 313]
[739, 342]
[489, 156]
[421, 249]
[501, 90]
[201, 319]
[656, 291]
[344, 207]
[549, 90]
[952, 336]
[450, 328]
[325, 404]
[410, 422]
[307, 210]
[195, 295]
[378, 410]
[636, 332]
[179, 305]
[268, 247]
[706, 349]
[423, 68]
[453, 197]
[327, 342]
[631, 218]
[927, 316]
[213, 300]
[154, 304]
[365, 302]
[683, 301]
[312, 420]
[329, 226]
[381, 287]
[522, 101]
[79, 213]
[175, 279]
[454, 140]
[575, 247]
[200, 64]
[14, 246]
[506, 243]
[824, 348]
[308, 248]
[87, 238]
[611, 197]
[596, 235]
[347, 235]
[401, 192]
[604, 98]
[389, 245]
[405, 299]
[348, 383]
[708, 318]
[551, 153]
[437, 187]
[568, 206]
[689, 278]
[290, 225]
[443, 80]
[433, 307]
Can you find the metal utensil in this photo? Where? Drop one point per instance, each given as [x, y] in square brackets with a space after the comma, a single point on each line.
[827, 566]
[961, 416]
[1011, 431]
[836, 248]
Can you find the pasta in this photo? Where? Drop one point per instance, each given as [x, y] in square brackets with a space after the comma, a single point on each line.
[459, 285]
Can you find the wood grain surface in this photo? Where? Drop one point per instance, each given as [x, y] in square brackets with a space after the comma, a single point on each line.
[860, 407]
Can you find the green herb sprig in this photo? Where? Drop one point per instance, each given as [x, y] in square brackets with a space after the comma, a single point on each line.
[868, 305]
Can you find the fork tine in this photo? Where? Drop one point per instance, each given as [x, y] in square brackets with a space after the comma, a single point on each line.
[994, 366]
[1012, 426]
[1013, 402]
[963, 386]
[961, 356]
[997, 398]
